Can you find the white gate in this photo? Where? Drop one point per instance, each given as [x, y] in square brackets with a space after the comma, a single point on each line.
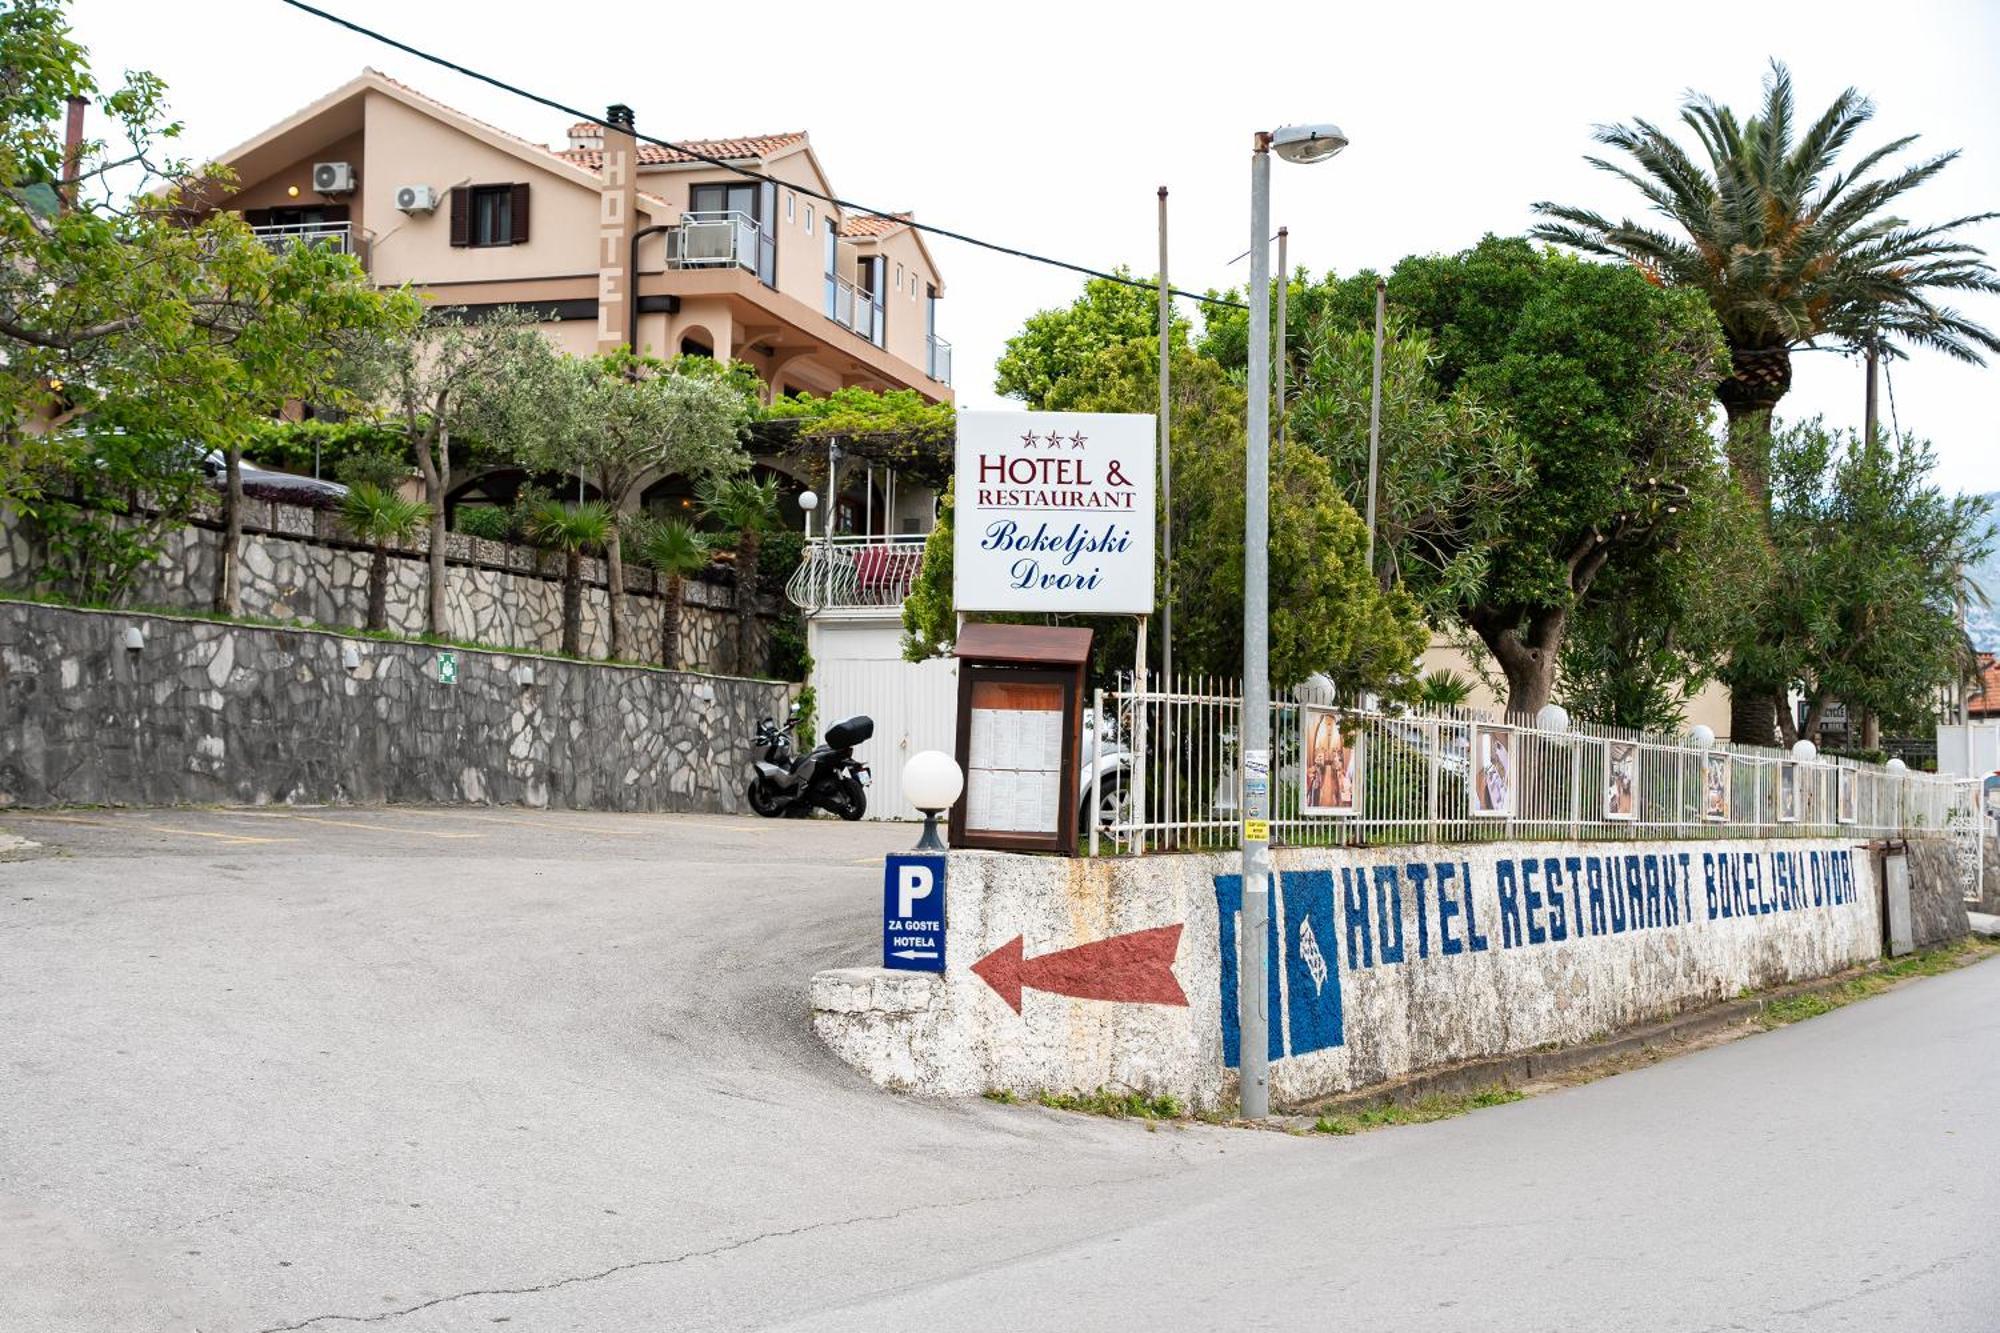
[858, 667]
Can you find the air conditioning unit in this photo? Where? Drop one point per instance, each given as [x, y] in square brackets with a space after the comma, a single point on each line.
[416, 199]
[333, 177]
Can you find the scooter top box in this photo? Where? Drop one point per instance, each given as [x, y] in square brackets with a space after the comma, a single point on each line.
[851, 732]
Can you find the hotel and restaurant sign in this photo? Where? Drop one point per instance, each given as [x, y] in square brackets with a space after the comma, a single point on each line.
[1054, 512]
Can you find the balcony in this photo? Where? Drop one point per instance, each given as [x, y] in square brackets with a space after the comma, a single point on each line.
[843, 572]
[337, 236]
[938, 362]
[853, 309]
[713, 240]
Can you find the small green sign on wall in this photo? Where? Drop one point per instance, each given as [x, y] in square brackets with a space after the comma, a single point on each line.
[447, 667]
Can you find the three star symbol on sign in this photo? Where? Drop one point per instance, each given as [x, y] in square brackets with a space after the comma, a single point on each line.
[1054, 440]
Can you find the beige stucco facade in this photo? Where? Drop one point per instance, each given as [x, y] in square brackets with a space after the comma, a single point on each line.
[571, 263]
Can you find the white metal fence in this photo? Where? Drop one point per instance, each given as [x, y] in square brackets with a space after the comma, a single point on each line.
[855, 571]
[1350, 775]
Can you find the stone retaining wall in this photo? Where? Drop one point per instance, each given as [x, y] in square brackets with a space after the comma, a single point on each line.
[1385, 961]
[297, 564]
[208, 712]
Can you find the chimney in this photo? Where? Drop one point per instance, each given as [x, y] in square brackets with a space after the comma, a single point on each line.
[72, 150]
[618, 203]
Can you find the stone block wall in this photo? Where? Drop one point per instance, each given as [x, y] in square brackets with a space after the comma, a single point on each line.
[210, 712]
[1938, 873]
[1064, 976]
[297, 564]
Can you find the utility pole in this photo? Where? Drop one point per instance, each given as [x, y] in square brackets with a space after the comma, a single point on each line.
[1166, 461]
[1284, 349]
[1375, 416]
[1253, 1020]
[1871, 415]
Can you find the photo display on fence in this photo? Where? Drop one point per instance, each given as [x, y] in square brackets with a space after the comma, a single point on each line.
[1014, 771]
[1332, 771]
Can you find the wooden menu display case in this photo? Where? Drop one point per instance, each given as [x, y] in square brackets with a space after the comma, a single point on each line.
[1020, 726]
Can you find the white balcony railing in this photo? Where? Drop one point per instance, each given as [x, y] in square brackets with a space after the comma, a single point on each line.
[333, 235]
[855, 572]
[939, 351]
[853, 308]
[713, 240]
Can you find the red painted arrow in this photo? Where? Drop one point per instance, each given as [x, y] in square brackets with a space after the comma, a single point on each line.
[1135, 968]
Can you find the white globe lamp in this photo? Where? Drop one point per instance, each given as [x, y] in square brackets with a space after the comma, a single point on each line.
[1804, 751]
[1897, 765]
[1553, 717]
[932, 781]
[1703, 736]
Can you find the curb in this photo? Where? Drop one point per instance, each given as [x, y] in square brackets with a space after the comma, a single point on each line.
[1515, 1070]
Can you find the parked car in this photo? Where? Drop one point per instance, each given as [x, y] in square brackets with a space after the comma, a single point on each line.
[262, 483]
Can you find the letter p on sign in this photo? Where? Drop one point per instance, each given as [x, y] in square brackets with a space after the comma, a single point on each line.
[913, 913]
[912, 882]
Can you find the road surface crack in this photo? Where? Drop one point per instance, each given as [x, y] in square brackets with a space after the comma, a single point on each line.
[577, 1279]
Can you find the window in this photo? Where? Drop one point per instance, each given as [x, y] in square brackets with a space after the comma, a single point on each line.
[809, 219]
[899, 277]
[791, 204]
[724, 199]
[484, 215]
[492, 216]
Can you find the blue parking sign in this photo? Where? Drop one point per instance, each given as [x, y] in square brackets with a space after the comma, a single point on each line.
[913, 913]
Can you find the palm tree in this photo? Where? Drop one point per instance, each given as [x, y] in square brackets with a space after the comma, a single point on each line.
[748, 507]
[378, 516]
[576, 530]
[1789, 250]
[675, 548]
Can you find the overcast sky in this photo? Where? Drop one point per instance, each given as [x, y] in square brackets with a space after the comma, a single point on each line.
[1049, 126]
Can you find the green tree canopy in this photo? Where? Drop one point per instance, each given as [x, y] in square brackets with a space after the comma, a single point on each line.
[1450, 465]
[620, 421]
[1056, 343]
[1870, 557]
[456, 378]
[1607, 379]
[1790, 245]
[148, 314]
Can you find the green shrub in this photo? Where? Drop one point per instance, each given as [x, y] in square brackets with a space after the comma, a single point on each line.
[485, 521]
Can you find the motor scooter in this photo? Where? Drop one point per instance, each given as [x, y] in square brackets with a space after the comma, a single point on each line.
[784, 783]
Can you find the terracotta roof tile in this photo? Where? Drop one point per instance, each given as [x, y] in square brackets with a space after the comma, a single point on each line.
[862, 225]
[652, 155]
[1985, 700]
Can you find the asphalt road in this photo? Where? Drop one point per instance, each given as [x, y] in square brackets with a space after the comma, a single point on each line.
[455, 1070]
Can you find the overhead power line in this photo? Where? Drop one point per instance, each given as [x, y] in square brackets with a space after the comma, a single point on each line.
[699, 156]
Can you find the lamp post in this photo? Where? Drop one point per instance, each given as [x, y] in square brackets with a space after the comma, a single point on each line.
[807, 503]
[1302, 144]
[932, 781]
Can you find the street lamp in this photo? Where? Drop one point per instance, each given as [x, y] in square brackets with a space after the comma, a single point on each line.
[932, 781]
[807, 503]
[1804, 751]
[1703, 736]
[1302, 144]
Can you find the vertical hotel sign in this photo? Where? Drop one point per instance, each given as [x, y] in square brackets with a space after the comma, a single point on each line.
[617, 202]
[1054, 512]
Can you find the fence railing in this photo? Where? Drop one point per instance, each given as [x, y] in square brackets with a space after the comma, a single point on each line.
[855, 572]
[1356, 775]
[337, 236]
[713, 240]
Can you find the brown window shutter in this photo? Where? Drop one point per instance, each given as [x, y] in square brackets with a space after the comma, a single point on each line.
[461, 216]
[519, 210]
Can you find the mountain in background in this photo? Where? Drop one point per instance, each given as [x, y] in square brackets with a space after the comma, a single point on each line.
[1983, 622]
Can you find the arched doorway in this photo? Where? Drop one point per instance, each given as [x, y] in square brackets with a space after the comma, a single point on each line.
[501, 487]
